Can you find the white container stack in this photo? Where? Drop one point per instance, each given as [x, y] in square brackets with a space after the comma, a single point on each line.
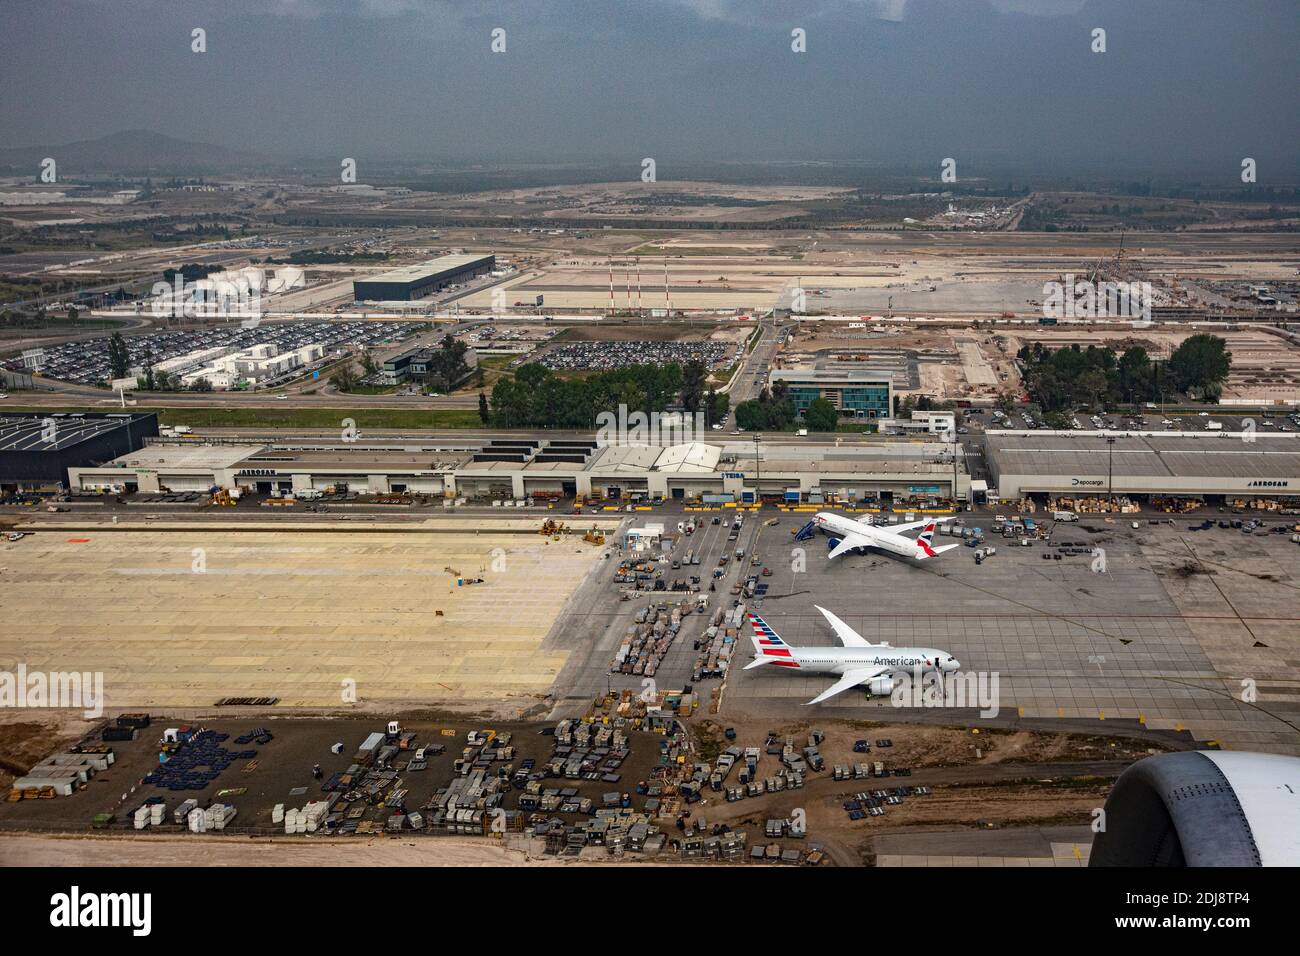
[307, 820]
[218, 815]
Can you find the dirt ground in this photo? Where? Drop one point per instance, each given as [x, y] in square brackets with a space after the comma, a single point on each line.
[25, 850]
[994, 778]
[27, 736]
[991, 779]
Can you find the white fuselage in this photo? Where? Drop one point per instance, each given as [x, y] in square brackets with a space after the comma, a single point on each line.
[838, 660]
[839, 526]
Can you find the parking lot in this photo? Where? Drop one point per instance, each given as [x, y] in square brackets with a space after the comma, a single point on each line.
[86, 363]
[606, 355]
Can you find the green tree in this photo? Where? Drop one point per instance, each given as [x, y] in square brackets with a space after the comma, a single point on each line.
[694, 376]
[1135, 373]
[821, 416]
[119, 356]
[484, 414]
[751, 416]
[717, 405]
[446, 366]
[345, 378]
[1200, 364]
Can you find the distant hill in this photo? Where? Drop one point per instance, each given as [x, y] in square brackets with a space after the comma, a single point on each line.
[132, 152]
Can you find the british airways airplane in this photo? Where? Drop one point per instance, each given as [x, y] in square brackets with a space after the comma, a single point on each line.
[856, 662]
[853, 534]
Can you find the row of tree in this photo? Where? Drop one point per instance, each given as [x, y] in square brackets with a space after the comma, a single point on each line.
[535, 397]
[772, 411]
[1069, 378]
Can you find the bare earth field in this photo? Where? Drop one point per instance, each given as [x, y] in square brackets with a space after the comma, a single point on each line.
[241, 851]
[181, 618]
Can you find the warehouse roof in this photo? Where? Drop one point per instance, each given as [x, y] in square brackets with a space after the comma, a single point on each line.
[433, 267]
[690, 458]
[1221, 455]
[54, 432]
[626, 458]
[354, 459]
[176, 457]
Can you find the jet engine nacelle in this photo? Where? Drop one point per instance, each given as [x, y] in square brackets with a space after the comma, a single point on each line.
[880, 686]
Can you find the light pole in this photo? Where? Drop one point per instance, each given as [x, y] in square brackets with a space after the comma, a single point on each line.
[1110, 474]
[954, 467]
[758, 469]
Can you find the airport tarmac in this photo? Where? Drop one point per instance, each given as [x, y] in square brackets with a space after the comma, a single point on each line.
[1165, 635]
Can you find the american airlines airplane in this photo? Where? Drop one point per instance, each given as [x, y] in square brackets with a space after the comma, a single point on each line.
[857, 662]
[854, 534]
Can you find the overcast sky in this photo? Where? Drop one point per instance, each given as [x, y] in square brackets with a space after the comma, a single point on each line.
[1185, 86]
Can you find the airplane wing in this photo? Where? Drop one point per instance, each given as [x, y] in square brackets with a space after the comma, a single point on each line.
[848, 637]
[851, 679]
[913, 525]
[848, 543]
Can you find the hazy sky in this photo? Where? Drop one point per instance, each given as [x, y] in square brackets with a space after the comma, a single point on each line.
[1187, 85]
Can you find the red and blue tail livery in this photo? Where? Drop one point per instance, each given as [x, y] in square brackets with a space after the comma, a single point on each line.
[768, 645]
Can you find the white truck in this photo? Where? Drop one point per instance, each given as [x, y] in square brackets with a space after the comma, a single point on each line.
[1064, 516]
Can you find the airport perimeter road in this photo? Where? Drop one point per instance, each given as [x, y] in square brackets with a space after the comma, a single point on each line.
[754, 368]
[76, 396]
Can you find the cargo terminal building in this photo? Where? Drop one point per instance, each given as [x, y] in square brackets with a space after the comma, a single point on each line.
[410, 283]
[37, 450]
[885, 473]
[1211, 465]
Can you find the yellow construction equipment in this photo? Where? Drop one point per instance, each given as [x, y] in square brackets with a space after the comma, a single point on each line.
[550, 527]
[594, 537]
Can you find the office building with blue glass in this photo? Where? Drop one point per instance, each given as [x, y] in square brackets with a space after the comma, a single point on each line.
[857, 394]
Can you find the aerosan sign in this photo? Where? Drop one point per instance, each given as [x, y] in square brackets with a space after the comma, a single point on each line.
[1280, 483]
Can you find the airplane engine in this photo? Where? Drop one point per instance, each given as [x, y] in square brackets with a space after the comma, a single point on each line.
[1203, 808]
[880, 686]
[832, 543]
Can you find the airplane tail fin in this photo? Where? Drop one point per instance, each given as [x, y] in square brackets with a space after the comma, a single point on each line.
[768, 646]
[924, 551]
[925, 544]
